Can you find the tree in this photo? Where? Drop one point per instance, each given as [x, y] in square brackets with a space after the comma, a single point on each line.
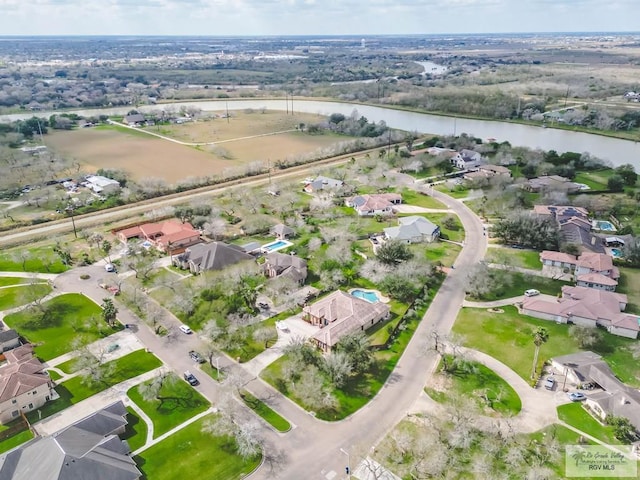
[615, 183]
[265, 335]
[400, 288]
[106, 247]
[623, 430]
[338, 367]
[142, 262]
[393, 253]
[628, 174]
[109, 311]
[540, 337]
[356, 347]
[585, 336]
[64, 253]
[152, 391]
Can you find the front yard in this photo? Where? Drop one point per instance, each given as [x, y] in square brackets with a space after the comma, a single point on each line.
[514, 257]
[513, 284]
[58, 322]
[12, 297]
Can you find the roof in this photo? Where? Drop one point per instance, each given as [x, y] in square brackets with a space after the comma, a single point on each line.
[345, 314]
[100, 181]
[560, 211]
[499, 169]
[75, 453]
[376, 201]
[597, 262]
[163, 233]
[469, 155]
[555, 181]
[287, 266]
[134, 118]
[7, 335]
[281, 229]
[578, 234]
[614, 240]
[214, 255]
[21, 374]
[597, 278]
[411, 227]
[250, 247]
[552, 256]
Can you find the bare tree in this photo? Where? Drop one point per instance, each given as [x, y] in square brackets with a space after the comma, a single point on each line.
[265, 335]
[151, 391]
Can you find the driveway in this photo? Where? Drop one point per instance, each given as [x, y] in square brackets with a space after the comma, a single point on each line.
[403, 208]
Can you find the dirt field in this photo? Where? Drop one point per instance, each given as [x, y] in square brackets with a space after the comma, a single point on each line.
[147, 156]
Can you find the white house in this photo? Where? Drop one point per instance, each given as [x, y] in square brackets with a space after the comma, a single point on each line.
[102, 185]
[467, 159]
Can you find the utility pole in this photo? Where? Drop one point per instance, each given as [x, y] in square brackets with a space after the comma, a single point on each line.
[286, 100]
[291, 103]
[227, 103]
[73, 222]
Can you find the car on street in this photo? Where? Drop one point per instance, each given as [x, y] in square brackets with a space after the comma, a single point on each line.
[577, 396]
[549, 383]
[191, 378]
[196, 357]
[185, 329]
[110, 267]
[532, 292]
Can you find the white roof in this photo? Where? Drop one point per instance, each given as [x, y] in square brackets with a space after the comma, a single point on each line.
[100, 181]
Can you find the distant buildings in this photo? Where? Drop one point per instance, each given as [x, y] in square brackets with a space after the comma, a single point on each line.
[102, 185]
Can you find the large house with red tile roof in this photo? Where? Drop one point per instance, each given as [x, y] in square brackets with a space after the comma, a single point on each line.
[592, 270]
[340, 314]
[587, 307]
[25, 385]
[375, 204]
[168, 235]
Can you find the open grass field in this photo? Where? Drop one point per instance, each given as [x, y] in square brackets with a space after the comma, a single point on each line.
[67, 317]
[194, 454]
[178, 402]
[508, 337]
[515, 283]
[144, 155]
[514, 257]
[575, 415]
[630, 284]
[40, 259]
[12, 297]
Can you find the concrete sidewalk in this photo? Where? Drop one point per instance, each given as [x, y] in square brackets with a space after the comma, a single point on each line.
[76, 412]
[28, 275]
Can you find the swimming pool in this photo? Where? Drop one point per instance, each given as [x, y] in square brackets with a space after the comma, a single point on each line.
[367, 295]
[617, 253]
[603, 225]
[274, 246]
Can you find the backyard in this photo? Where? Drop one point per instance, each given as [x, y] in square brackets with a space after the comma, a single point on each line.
[194, 454]
[508, 337]
[513, 284]
[58, 322]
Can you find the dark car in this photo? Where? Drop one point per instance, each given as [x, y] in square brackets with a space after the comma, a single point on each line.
[190, 377]
[196, 357]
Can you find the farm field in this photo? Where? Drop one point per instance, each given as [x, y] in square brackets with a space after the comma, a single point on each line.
[144, 155]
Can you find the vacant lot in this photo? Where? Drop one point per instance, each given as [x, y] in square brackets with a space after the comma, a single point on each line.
[145, 156]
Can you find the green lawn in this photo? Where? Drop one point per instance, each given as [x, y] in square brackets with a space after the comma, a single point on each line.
[193, 454]
[212, 372]
[575, 415]
[15, 440]
[268, 414]
[54, 375]
[379, 334]
[508, 337]
[458, 191]
[74, 390]
[359, 389]
[456, 234]
[7, 281]
[515, 283]
[514, 257]
[411, 197]
[12, 297]
[483, 386]
[136, 431]
[69, 366]
[629, 284]
[443, 253]
[178, 402]
[67, 318]
[34, 259]
[597, 180]
[249, 348]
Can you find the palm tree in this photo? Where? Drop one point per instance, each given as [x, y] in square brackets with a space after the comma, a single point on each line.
[540, 336]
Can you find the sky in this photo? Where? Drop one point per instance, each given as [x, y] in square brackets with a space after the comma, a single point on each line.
[313, 17]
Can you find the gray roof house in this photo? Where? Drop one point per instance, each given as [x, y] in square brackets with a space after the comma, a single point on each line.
[9, 339]
[322, 183]
[88, 449]
[413, 229]
[210, 256]
[134, 118]
[282, 265]
[281, 231]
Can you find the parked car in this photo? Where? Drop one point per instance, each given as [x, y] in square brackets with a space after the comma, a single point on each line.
[190, 377]
[550, 383]
[532, 292]
[577, 396]
[110, 267]
[196, 357]
[185, 329]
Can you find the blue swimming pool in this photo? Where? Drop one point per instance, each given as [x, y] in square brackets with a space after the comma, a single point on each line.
[366, 295]
[604, 225]
[617, 253]
[277, 245]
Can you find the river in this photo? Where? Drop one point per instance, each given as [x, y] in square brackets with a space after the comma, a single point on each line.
[616, 151]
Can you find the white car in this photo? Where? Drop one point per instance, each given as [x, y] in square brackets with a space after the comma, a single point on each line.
[185, 329]
[531, 292]
[110, 267]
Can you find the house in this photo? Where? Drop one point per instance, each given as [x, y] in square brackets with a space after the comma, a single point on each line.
[466, 160]
[9, 339]
[413, 229]
[88, 449]
[593, 270]
[168, 235]
[614, 242]
[322, 183]
[340, 314]
[551, 182]
[559, 212]
[587, 307]
[210, 256]
[24, 384]
[281, 231]
[616, 398]
[251, 248]
[574, 225]
[435, 151]
[375, 204]
[488, 171]
[102, 185]
[282, 265]
[135, 119]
